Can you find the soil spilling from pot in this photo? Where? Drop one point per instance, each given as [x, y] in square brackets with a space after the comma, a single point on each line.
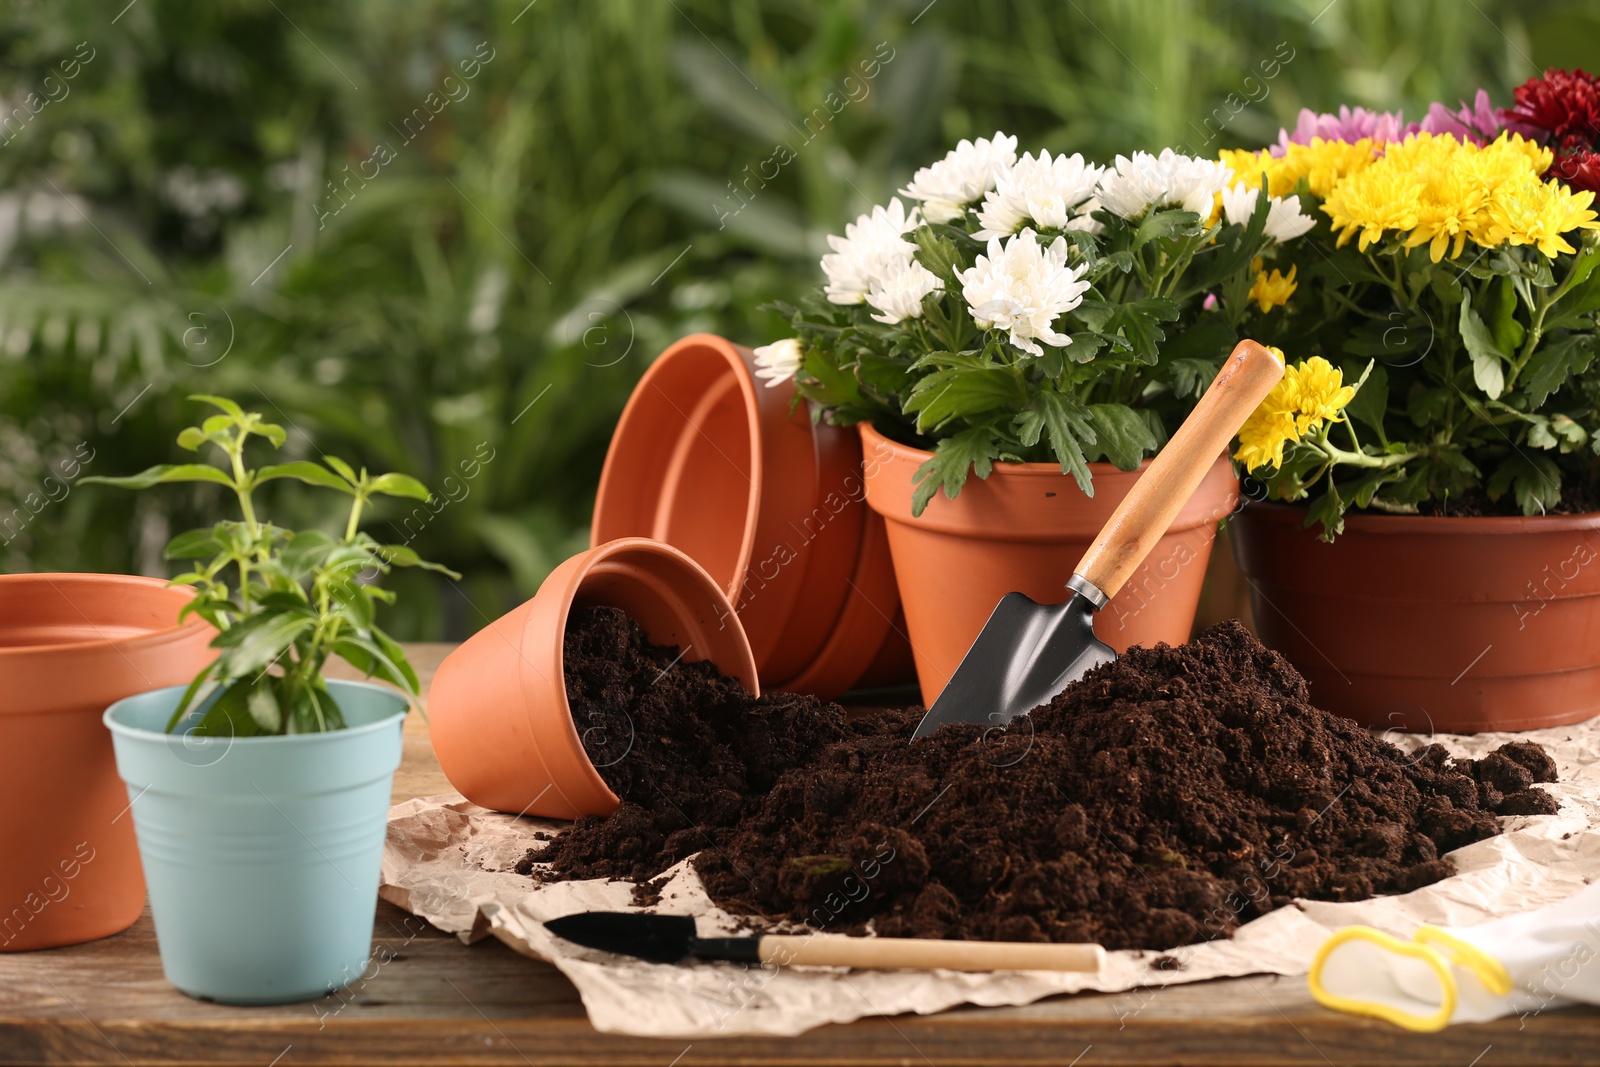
[1165, 799]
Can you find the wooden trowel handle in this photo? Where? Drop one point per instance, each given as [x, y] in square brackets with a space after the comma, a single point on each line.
[1172, 477]
[834, 950]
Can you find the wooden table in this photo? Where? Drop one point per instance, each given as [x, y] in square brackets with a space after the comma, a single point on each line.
[441, 1002]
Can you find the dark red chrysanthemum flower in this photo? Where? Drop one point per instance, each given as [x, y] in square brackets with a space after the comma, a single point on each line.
[1566, 104]
[1580, 170]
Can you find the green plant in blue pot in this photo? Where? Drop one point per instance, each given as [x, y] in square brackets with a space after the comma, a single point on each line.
[260, 791]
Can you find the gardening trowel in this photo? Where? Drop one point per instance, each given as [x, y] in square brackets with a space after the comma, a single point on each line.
[1028, 652]
[674, 939]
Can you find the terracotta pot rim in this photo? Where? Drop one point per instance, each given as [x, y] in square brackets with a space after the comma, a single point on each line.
[728, 351]
[1011, 468]
[1466, 525]
[122, 644]
[294, 740]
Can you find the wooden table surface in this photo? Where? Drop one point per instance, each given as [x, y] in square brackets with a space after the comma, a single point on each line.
[439, 1001]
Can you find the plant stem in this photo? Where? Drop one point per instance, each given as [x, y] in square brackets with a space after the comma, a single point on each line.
[355, 517]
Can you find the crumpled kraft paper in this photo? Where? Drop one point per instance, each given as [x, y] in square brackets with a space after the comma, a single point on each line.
[450, 862]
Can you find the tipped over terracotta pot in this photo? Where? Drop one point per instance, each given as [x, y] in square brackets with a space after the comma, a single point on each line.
[498, 711]
[713, 461]
[71, 645]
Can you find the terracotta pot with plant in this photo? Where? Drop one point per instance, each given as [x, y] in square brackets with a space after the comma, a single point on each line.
[1455, 476]
[1042, 323]
[260, 791]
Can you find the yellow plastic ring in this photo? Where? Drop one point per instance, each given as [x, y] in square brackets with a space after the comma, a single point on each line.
[1436, 961]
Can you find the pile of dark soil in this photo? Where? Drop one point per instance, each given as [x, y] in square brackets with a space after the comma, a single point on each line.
[1165, 799]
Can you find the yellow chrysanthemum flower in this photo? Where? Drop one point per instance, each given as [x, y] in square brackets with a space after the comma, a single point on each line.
[1323, 164]
[1248, 166]
[1377, 199]
[1322, 394]
[1274, 289]
[1307, 396]
[1538, 213]
[1442, 192]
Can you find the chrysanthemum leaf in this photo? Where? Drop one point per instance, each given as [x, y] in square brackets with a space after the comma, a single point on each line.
[1488, 362]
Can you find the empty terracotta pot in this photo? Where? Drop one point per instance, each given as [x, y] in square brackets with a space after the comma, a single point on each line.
[498, 711]
[71, 645]
[1421, 624]
[1023, 529]
[709, 459]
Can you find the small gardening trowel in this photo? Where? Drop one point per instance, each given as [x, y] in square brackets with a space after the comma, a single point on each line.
[1028, 652]
[674, 939]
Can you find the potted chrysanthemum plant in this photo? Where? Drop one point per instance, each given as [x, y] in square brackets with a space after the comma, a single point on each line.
[1043, 323]
[260, 791]
[1443, 432]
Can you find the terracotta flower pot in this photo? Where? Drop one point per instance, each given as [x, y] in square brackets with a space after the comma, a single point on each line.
[1424, 624]
[1023, 529]
[710, 460]
[498, 711]
[70, 645]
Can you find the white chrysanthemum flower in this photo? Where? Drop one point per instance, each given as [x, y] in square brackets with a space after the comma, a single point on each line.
[1135, 185]
[961, 177]
[1284, 220]
[778, 362]
[898, 293]
[870, 246]
[1044, 192]
[1022, 288]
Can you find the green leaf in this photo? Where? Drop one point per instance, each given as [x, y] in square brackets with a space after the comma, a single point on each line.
[400, 485]
[195, 544]
[355, 606]
[1190, 376]
[272, 432]
[263, 706]
[192, 438]
[1488, 362]
[1371, 401]
[939, 255]
[408, 676]
[306, 551]
[1508, 332]
[1427, 406]
[1575, 310]
[304, 471]
[1139, 322]
[250, 646]
[1534, 479]
[166, 472]
[342, 468]
[228, 715]
[1572, 435]
[402, 556]
[1327, 511]
[973, 450]
[962, 391]
[373, 659]
[1067, 425]
[1174, 222]
[318, 713]
[1122, 435]
[235, 412]
[1554, 362]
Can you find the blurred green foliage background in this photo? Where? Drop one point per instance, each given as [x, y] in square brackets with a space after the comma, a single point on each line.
[421, 234]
